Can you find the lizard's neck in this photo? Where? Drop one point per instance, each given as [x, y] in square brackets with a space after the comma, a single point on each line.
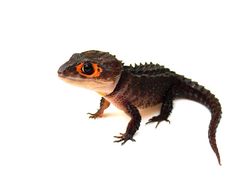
[108, 87]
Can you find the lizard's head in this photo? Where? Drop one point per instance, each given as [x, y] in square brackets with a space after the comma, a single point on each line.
[96, 70]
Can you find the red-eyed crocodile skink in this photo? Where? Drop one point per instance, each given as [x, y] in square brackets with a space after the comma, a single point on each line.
[133, 87]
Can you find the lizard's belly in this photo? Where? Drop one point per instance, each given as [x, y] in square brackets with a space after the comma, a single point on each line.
[139, 101]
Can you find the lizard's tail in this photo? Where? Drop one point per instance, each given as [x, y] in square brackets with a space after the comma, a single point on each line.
[194, 91]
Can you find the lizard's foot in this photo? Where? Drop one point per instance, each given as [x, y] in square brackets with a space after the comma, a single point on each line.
[95, 115]
[157, 119]
[124, 137]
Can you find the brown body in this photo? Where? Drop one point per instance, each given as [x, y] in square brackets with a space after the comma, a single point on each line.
[131, 88]
[141, 90]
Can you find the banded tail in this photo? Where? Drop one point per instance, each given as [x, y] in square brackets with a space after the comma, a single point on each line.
[193, 91]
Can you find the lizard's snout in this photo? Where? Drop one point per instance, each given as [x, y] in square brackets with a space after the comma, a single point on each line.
[67, 70]
[61, 71]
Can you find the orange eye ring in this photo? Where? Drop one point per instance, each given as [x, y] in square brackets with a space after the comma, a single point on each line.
[96, 73]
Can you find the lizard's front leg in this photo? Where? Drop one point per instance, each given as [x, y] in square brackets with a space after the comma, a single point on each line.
[104, 104]
[133, 125]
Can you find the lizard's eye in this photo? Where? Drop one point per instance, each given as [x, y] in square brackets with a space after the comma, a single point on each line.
[87, 68]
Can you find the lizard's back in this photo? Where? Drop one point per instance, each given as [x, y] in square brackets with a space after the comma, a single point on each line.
[145, 85]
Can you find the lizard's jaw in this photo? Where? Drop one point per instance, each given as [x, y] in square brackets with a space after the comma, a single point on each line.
[103, 87]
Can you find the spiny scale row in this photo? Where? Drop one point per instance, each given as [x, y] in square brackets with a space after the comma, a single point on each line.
[147, 68]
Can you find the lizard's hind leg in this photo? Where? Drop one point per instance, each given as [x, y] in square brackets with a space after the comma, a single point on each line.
[166, 109]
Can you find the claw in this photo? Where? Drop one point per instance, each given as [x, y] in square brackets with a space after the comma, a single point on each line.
[161, 121]
[158, 120]
[123, 137]
[94, 116]
[149, 121]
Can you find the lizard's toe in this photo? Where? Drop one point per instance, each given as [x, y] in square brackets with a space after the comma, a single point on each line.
[157, 119]
[94, 116]
[124, 137]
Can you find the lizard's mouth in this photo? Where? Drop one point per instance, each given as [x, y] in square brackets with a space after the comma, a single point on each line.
[67, 75]
[100, 86]
[60, 75]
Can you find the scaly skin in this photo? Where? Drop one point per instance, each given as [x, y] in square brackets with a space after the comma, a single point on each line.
[131, 88]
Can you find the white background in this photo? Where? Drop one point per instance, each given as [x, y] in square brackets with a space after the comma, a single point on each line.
[44, 128]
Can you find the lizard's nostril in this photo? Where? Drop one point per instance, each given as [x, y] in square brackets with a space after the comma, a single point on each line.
[61, 71]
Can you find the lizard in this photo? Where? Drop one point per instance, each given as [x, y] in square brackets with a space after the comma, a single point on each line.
[131, 88]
